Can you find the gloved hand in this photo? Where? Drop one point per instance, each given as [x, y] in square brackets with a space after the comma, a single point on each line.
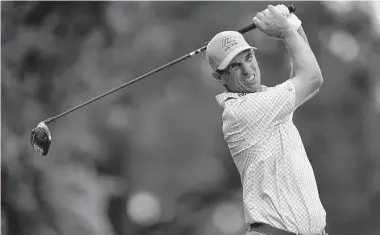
[291, 17]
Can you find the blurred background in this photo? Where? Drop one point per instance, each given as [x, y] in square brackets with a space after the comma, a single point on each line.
[151, 159]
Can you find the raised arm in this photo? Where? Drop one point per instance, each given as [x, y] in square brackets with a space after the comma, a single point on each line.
[308, 77]
[292, 70]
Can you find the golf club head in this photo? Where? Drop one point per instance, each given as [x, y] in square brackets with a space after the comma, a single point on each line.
[41, 138]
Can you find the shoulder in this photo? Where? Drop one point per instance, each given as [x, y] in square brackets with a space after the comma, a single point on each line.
[286, 86]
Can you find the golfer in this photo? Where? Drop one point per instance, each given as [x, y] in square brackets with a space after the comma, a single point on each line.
[280, 193]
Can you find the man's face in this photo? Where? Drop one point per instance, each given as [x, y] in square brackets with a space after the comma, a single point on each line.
[243, 73]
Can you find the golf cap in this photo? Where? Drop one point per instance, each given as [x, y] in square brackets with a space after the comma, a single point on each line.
[223, 47]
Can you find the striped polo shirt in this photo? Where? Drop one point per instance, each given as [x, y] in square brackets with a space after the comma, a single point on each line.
[279, 186]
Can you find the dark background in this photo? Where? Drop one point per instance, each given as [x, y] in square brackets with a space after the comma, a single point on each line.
[151, 159]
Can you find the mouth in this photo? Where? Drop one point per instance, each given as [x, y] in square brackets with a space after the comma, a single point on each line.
[250, 79]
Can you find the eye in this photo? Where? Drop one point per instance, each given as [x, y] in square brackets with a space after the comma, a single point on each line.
[234, 67]
[249, 57]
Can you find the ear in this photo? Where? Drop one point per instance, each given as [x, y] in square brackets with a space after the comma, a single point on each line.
[217, 76]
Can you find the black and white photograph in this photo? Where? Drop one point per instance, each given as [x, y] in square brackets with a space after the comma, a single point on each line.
[190, 118]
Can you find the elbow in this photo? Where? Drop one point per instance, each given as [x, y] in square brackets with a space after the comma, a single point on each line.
[317, 78]
[312, 73]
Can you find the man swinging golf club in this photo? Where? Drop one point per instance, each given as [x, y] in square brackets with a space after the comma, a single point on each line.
[280, 194]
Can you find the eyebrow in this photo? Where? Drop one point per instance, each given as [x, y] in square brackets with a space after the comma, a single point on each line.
[249, 54]
[246, 56]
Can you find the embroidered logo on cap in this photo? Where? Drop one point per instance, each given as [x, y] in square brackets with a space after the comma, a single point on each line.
[227, 43]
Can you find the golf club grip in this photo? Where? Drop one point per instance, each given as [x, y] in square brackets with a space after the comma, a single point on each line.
[253, 26]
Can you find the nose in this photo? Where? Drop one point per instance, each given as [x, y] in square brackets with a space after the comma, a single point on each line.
[245, 68]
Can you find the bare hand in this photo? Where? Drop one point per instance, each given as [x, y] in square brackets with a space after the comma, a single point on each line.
[272, 22]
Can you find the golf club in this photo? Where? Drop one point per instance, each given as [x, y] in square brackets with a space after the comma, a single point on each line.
[41, 137]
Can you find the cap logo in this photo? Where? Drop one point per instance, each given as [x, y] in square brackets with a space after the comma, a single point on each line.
[227, 43]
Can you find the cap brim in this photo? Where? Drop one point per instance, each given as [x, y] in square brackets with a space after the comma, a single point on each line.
[232, 55]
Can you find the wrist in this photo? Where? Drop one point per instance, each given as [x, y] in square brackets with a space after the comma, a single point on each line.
[294, 20]
[288, 33]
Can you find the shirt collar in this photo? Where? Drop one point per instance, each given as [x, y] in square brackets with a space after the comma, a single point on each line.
[227, 95]
[222, 97]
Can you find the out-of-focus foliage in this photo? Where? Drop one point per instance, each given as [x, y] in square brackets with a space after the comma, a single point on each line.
[162, 135]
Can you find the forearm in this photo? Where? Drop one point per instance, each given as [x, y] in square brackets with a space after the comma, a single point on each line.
[301, 32]
[302, 58]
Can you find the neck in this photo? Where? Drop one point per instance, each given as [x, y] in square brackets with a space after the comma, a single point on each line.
[228, 89]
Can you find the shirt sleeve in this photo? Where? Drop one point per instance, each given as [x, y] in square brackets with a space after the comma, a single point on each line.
[256, 112]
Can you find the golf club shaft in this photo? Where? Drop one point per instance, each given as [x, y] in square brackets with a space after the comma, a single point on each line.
[191, 54]
[126, 84]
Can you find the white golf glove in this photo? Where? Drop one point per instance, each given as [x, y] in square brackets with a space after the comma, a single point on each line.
[291, 17]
